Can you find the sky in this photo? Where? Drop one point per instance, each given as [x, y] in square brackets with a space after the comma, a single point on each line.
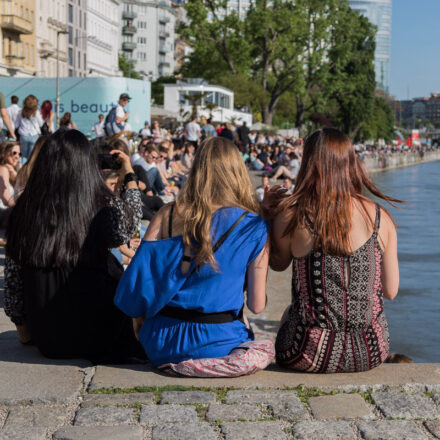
[415, 48]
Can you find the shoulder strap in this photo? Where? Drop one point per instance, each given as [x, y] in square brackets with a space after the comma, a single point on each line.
[377, 221]
[223, 238]
[170, 221]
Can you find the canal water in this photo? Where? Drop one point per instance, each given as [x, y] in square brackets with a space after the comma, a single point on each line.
[414, 315]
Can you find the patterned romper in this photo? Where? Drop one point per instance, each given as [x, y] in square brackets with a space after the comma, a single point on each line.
[336, 322]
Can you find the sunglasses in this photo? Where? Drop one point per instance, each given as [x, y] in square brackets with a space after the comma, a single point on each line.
[155, 157]
[15, 153]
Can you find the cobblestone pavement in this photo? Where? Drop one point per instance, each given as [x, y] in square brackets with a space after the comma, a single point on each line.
[174, 413]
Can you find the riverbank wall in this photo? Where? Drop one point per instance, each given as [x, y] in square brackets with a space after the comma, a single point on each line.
[399, 160]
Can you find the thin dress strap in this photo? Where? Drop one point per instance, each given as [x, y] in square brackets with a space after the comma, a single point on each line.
[377, 221]
[170, 221]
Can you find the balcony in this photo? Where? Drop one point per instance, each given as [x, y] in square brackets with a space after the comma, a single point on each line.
[129, 30]
[129, 15]
[16, 23]
[129, 45]
[164, 64]
[164, 19]
[164, 48]
[14, 61]
[164, 34]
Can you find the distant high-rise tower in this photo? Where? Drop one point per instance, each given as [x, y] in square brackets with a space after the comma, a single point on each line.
[379, 13]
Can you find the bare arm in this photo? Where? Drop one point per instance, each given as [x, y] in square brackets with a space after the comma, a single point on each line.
[5, 194]
[7, 121]
[256, 281]
[390, 264]
[281, 255]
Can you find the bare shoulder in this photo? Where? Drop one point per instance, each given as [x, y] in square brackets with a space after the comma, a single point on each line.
[154, 231]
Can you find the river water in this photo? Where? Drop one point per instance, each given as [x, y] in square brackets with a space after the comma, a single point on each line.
[414, 315]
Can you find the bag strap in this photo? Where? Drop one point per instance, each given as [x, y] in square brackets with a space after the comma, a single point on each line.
[170, 221]
[223, 238]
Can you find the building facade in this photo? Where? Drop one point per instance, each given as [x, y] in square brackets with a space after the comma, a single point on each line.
[17, 38]
[51, 21]
[148, 36]
[426, 109]
[103, 23]
[379, 12]
[77, 38]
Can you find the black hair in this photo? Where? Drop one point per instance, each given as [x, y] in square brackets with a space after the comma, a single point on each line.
[50, 222]
[14, 99]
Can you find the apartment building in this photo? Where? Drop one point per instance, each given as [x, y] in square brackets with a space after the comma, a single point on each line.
[148, 36]
[17, 38]
[103, 24]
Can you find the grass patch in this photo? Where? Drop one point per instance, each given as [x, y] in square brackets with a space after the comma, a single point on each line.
[367, 396]
[305, 393]
[201, 411]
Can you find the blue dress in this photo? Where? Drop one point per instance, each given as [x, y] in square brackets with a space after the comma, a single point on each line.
[154, 279]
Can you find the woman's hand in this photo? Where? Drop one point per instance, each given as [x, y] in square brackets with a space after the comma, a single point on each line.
[124, 160]
[137, 325]
[272, 198]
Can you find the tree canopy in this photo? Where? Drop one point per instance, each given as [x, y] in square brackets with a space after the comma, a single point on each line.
[286, 60]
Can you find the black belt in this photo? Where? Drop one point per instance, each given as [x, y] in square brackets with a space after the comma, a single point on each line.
[200, 317]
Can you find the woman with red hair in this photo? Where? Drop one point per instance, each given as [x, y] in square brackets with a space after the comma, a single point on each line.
[48, 115]
[343, 249]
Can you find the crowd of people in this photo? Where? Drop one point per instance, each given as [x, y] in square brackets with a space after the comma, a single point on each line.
[85, 279]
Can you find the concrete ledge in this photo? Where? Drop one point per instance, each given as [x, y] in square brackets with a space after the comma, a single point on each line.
[413, 376]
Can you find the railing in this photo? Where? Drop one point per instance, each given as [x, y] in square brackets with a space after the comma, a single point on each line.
[164, 34]
[129, 30]
[164, 64]
[129, 15]
[164, 49]
[164, 19]
[128, 45]
[14, 61]
[16, 23]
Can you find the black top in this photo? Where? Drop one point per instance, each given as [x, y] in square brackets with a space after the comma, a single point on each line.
[70, 312]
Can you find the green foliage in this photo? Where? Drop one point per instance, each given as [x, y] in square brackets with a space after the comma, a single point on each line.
[287, 60]
[380, 124]
[127, 67]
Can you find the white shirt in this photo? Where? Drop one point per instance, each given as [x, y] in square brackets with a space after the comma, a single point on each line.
[192, 131]
[13, 111]
[29, 127]
[136, 159]
[98, 128]
[145, 132]
[120, 113]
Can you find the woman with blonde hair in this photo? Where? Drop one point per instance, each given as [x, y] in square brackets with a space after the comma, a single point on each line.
[29, 123]
[184, 287]
[343, 246]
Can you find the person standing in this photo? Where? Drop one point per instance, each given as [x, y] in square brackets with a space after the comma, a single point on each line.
[208, 129]
[98, 128]
[4, 119]
[13, 111]
[146, 131]
[48, 116]
[243, 135]
[29, 122]
[192, 132]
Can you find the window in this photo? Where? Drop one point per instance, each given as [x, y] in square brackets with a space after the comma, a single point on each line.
[70, 72]
[70, 14]
[70, 57]
[70, 35]
[85, 61]
[79, 60]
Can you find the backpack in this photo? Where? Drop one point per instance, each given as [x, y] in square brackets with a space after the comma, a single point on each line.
[109, 121]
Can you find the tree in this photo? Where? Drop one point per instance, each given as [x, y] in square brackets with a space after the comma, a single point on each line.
[380, 124]
[157, 90]
[301, 49]
[126, 66]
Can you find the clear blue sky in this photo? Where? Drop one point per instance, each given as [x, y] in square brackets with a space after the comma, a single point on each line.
[415, 48]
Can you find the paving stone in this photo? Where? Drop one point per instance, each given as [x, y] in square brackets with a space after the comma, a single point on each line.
[187, 397]
[99, 433]
[153, 415]
[104, 416]
[436, 398]
[23, 434]
[323, 430]
[390, 430]
[3, 414]
[253, 431]
[433, 428]
[246, 411]
[406, 406]
[284, 404]
[340, 407]
[117, 399]
[192, 431]
[36, 417]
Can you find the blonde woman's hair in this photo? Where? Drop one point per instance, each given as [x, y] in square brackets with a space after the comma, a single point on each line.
[30, 107]
[218, 178]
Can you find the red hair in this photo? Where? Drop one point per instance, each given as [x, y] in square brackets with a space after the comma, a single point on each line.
[329, 178]
[46, 108]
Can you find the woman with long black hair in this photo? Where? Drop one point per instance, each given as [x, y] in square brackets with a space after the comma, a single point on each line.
[60, 277]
